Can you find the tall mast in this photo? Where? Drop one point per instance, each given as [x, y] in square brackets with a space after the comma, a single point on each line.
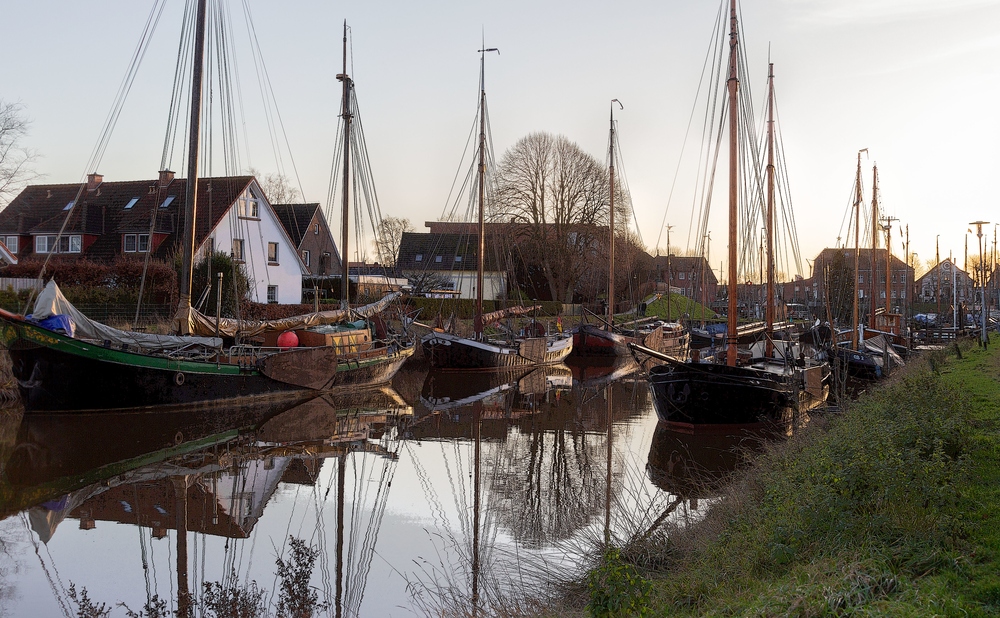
[871, 316]
[769, 305]
[734, 86]
[611, 221]
[345, 301]
[888, 263]
[857, 251]
[481, 252]
[191, 190]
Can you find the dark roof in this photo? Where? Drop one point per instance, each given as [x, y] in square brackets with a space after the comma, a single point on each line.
[457, 252]
[295, 219]
[40, 209]
[687, 263]
[864, 261]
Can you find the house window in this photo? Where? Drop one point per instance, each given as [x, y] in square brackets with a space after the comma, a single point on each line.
[11, 242]
[209, 246]
[135, 242]
[166, 202]
[437, 258]
[419, 257]
[305, 258]
[45, 244]
[131, 203]
[238, 249]
[70, 244]
[315, 228]
[861, 278]
[248, 207]
[458, 258]
[272, 252]
[272, 293]
[680, 275]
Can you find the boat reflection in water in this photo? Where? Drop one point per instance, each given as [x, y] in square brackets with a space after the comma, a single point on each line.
[206, 472]
[697, 465]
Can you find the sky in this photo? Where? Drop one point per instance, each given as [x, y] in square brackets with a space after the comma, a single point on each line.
[913, 81]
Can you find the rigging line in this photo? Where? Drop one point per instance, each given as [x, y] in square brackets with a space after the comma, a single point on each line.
[178, 88]
[126, 86]
[59, 591]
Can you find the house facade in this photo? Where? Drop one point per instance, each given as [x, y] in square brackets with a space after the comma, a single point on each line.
[101, 221]
[307, 227]
[445, 265]
[691, 276]
[900, 277]
[946, 282]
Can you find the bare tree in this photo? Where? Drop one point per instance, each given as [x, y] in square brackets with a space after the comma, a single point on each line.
[555, 196]
[15, 160]
[389, 235]
[277, 188]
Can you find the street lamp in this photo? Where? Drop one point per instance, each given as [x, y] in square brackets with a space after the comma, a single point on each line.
[982, 282]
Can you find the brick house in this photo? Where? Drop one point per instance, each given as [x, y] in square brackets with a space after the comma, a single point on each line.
[102, 220]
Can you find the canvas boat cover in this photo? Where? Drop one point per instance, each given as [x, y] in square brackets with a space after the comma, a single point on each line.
[51, 302]
[200, 324]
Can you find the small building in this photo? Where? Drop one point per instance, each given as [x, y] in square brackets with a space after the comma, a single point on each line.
[946, 282]
[101, 220]
[692, 276]
[307, 227]
[446, 264]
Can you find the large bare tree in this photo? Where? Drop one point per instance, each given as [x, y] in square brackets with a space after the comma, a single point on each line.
[556, 197]
[389, 234]
[277, 187]
[15, 160]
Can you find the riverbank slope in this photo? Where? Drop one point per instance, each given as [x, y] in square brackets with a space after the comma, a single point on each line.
[890, 508]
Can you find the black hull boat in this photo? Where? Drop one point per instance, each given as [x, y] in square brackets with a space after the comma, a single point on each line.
[59, 373]
[860, 364]
[447, 351]
[711, 397]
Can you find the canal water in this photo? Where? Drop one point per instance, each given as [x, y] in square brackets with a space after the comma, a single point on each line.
[448, 493]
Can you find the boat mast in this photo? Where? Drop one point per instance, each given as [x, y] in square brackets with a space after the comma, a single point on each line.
[857, 252]
[888, 262]
[481, 252]
[733, 86]
[611, 219]
[191, 190]
[871, 318]
[769, 306]
[345, 301]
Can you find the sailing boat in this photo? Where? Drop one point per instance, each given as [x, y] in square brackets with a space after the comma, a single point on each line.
[591, 340]
[445, 350]
[769, 389]
[64, 361]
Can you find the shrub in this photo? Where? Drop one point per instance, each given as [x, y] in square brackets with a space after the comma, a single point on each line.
[617, 588]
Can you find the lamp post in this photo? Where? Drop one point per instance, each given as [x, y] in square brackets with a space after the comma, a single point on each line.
[984, 339]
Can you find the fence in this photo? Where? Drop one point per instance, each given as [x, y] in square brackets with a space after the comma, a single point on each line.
[20, 283]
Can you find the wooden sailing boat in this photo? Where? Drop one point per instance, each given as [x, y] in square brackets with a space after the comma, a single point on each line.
[445, 350]
[767, 389]
[90, 366]
[612, 340]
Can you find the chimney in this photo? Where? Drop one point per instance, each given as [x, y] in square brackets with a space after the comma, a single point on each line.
[166, 177]
[93, 180]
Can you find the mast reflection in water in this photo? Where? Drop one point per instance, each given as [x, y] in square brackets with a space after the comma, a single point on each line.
[467, 499]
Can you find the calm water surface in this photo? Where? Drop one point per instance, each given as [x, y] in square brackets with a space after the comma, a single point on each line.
[386, 485]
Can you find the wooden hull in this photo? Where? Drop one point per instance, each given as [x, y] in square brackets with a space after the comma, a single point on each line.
[447, 351]
[708, 396]
[59, 373]
[590, 341]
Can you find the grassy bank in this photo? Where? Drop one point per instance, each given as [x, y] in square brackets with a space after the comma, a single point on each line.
[889, 509]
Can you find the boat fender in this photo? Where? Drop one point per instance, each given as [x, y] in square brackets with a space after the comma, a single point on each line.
[179, 378]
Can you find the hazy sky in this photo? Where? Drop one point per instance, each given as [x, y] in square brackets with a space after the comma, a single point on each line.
[914, 81]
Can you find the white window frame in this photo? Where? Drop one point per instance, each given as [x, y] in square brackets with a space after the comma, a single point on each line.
[272, 259]
[45, 244]
[142, 243]
[12, 243]
[125, 243]
[238, 250]
[305, 257]
[272, 294]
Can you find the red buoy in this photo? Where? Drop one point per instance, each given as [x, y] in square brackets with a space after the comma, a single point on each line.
[288, 339]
